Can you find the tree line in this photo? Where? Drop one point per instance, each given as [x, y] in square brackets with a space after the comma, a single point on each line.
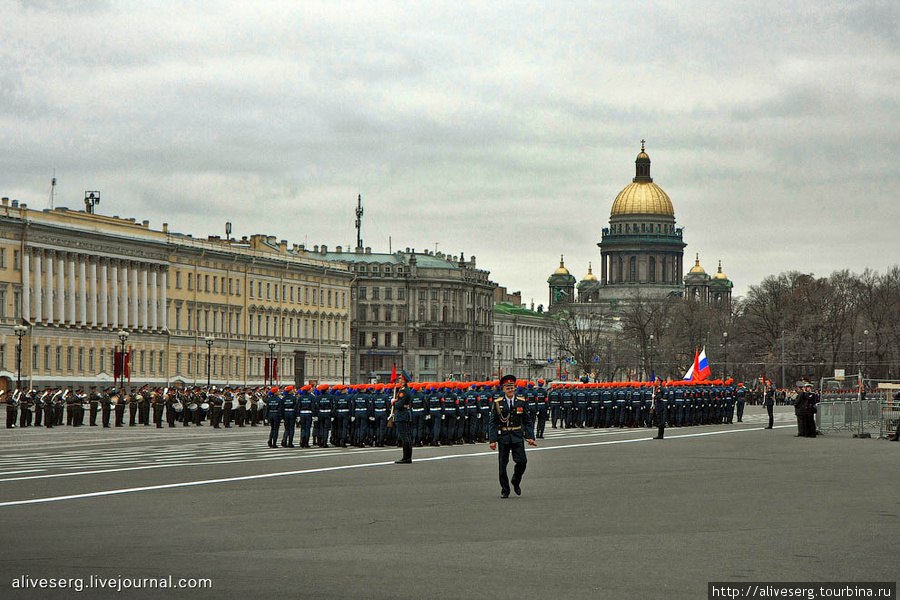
[788, 326]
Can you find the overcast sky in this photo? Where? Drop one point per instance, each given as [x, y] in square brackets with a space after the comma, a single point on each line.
[500, 129]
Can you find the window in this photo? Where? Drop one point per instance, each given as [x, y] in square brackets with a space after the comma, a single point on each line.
[153, 361]
[237, 287]
[362, 293]
[2, 258]
[206, 283]
[388, 293]
[268, 291]
[190, 281]
[34, 358]
[58, 358]
[142, 355]
[422, 295]
[632, 269]
[102, 359]
[81, 360]
[91, 361]
[162, 361]
[177, 363]
[652, 269]
[292, 293]
[17, 260]
[329, 297]
[251, 288]
[215, 284]
[375, 293]
[400, 294]
[177, 280]
[446, 295]
[343, 299]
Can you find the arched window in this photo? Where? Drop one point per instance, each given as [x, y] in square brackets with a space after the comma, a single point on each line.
[632, 269]
[652, 269]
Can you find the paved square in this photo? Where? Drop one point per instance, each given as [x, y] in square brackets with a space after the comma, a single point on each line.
[606, 513]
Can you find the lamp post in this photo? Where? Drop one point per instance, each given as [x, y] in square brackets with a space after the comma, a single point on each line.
[528, 357]
[343, 361]
[20, 331]
[123, 337]
[209, 342]
[499, 363]
[272, 344]
[725, 343]
[866, 352]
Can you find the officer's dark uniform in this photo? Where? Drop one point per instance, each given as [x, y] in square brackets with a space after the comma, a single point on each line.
[324, 409]
[543, 408]
[402, 415]
[511, 425]
[660, 410]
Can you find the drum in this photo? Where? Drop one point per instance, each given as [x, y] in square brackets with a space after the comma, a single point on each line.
[192, 406]
[260, 404]
[204, 406]
[178, 406]
[86, 406]
[234, 404]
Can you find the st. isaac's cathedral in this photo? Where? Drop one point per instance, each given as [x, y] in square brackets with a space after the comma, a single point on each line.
[641, 252]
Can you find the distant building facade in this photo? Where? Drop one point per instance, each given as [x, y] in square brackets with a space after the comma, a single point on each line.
[77, 279]
[429, 314]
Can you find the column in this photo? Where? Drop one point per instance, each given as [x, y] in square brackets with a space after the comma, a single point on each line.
[100, 294]
[135, 320]
[61, 287]
[38, 287]
[82, 291]
[154, 310]
[603, 261]
[123, 295]
[144, 297]
[163, 309]
[92, 275]
[48, 297]
[73, 318]
[114, 295]
[26, 284]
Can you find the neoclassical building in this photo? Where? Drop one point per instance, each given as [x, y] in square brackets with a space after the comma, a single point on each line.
[192, 308]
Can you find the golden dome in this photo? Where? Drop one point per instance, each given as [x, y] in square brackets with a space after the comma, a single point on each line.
[590, 275]
[643, 155]
[697, 268]
[720, 274]
[642, 198]
[562, 270]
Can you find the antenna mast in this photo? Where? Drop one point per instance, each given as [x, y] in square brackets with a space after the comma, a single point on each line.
[359, 214]
[52, 189]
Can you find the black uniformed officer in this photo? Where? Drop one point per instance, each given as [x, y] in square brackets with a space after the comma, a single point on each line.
[511, 427]
[402, 415]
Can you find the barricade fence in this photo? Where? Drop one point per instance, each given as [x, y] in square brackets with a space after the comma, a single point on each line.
[858, 416]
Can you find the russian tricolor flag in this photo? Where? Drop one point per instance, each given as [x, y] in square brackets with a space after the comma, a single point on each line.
[699, 371]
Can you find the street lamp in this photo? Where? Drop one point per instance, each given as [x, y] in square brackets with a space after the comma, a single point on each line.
[651, 355]
[272, 361]
[209, 342]
[344, 348]
[725, 342]
[528, 357]
[123, 337]
[499, 363]
[20, 331]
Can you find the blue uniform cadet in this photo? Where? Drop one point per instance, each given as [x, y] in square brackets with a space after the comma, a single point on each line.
[289, 413]
[274, 404]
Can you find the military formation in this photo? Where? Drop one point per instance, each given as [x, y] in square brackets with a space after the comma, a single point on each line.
[443, 413]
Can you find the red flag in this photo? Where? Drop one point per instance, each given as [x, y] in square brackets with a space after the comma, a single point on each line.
[394, 373]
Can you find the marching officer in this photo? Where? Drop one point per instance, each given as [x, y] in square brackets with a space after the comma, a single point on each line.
[12, 402]
[511, 427]
[660, 410]
[324, 410]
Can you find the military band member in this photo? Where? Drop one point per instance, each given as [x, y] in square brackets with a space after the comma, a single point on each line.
[158, 404]
[94, 402]
[26, 409]
[119, 408]
[106, 406]
[511, 427]
[12, 407]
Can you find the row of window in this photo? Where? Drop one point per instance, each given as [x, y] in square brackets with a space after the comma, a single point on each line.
[74, 360]
[376, 270]
[643, 228]
[216, 284]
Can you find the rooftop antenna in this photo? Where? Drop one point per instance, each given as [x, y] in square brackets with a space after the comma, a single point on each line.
[91, 199]
[52, 189]
[227, 231]
[359, 214]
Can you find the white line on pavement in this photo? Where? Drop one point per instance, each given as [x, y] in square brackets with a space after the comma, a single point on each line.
[167, 486]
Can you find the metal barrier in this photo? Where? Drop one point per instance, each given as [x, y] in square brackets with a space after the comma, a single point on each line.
[850, 415]
[890, 417]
